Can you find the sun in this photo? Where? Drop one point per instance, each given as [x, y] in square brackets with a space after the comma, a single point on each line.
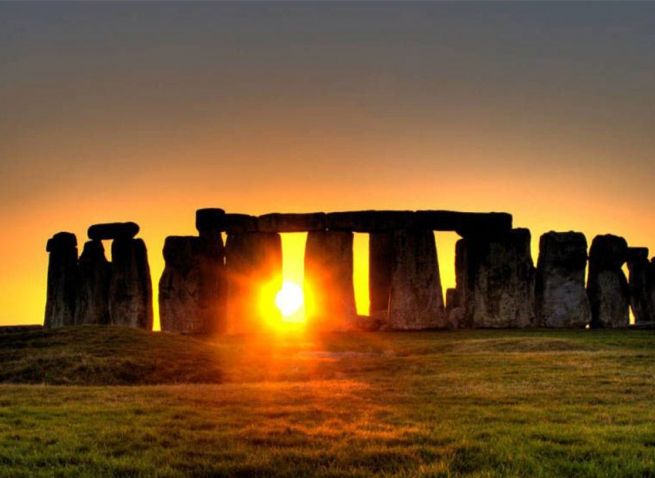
[289, 300]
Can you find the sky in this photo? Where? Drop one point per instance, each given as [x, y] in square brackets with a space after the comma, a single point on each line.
[148, 111]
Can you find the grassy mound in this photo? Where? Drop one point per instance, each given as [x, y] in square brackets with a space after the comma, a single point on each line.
[104, 356]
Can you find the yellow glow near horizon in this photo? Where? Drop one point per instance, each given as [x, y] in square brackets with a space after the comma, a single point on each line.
[289, 300]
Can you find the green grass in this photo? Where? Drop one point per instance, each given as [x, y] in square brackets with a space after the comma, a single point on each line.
[462, 403]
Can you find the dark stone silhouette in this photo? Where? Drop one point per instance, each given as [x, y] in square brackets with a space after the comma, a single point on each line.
[329, 278]
[210, 221]
[130, 289]
[561, 297]
[640, 284]
[192, 287]
[380, 264]
[62, 284]
[92, 305]
[416, 297]
[495, 280]
[239, 223]
[466, 224]
[607, 286]
[368, 221]
[113, 230]
[253, 260]
[277, 222]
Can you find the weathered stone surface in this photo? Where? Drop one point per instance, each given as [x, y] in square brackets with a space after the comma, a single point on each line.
[277, 222]
[495, 280]
[416, 297]
[192, 289]
[130, 288]
[466, 224]
[62, 280]
[561, 297]
[92, 305]
[239, 223]
[640, 285]
[380, 264]
[113, 230]
[253, 261]
[329, 280]
[368, 221]
[607, 286]
[210, 221]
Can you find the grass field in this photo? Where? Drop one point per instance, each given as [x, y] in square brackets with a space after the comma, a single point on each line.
[463, 403]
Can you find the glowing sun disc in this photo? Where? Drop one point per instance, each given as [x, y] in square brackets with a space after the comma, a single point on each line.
[289, 299]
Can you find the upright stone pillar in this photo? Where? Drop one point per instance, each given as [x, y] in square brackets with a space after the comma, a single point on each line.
[62, 280]
[254, 264]
[380, 263]
[416, 298]
[606, 285]
[93, 290]
[640, 285]
[561, 297]
[130, 288]
[329, 287]
[191, 288]
[495, 280]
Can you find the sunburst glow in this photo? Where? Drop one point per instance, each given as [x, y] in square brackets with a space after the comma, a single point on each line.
[289, 299]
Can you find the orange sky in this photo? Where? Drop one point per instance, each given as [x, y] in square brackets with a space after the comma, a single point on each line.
[135, 112]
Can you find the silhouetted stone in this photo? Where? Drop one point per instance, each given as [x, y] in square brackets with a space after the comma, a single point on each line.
[92, 305]
[495, 280]
[239, 223]
[253, 261]
[277, 222]
[62, 280]
[368, 221]
[640, 285]
[113, 230]
[192, 287]
[210, 221]
[466, 224]
[607, 286]
[380, 264]
[561, 297]
[130, 288]
[329, 280]
[416, 298]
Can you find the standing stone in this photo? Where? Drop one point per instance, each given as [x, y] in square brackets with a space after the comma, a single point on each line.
[192, 286]
[329, 280]
[495, 280]
[130, 288]
[640, 285]
[651, 286]
[561, 297]
[62, 280]
[607, 286]
[254, 265]
[92, 305]
[416, 297]
[380, 263]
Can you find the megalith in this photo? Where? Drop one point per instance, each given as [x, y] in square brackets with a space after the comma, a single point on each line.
[639, 284]
[192, 286]
[560, 294]
[416, 297]
[607, 286]
[210, 221]
[62, 280]
[380, 263]
[253, 262]
[329, 289]
[130, 287]
[94, 270]
[495, 280]
[113, 230]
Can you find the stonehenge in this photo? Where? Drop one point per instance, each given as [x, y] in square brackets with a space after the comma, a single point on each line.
[607, 286]
[92, 290]
[561, 297]
[224, 279]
